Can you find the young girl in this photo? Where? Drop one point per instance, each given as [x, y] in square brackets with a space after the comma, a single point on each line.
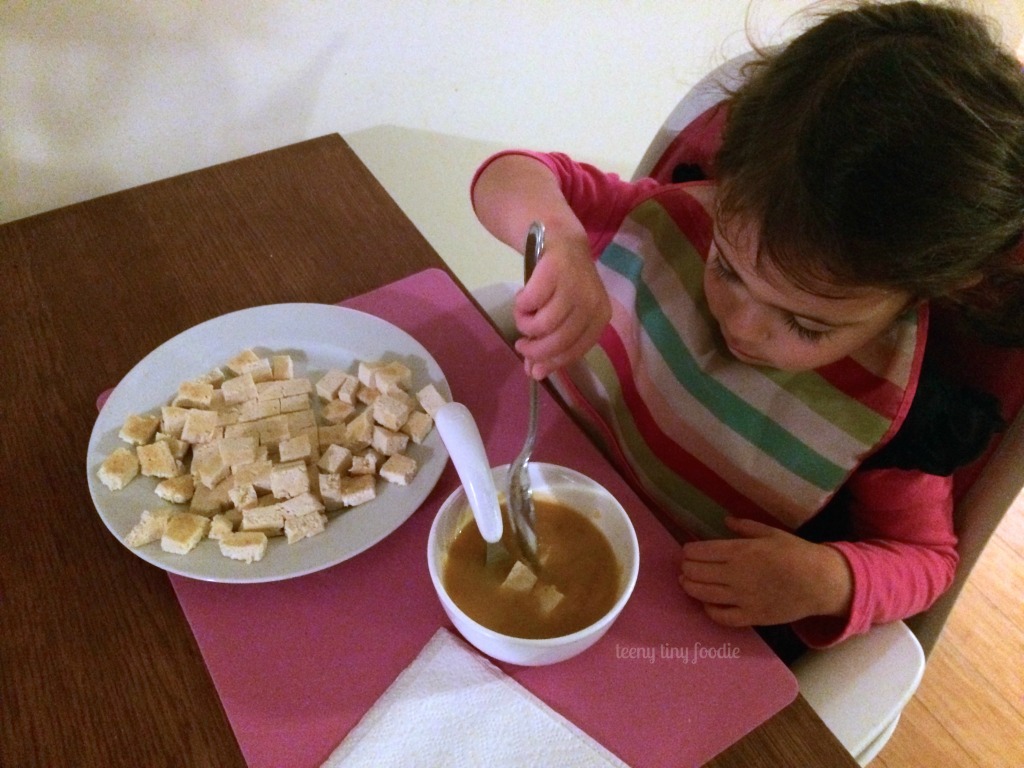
[748, 348]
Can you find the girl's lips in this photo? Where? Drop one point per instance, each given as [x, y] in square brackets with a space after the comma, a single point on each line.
[740, 354]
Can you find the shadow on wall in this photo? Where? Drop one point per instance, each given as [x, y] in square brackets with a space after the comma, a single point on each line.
[102, 95]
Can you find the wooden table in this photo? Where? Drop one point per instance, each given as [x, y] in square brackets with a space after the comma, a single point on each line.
[98, 666]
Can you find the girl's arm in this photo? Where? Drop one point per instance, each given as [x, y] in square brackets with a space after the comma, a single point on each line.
[904, 554]
[564, 308]
[903, 558]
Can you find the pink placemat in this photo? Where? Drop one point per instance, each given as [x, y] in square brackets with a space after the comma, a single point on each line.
[297, 663]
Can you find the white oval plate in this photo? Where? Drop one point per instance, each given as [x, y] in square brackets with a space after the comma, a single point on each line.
[319, 337]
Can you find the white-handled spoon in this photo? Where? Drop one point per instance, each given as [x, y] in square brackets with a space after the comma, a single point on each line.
[461, 438]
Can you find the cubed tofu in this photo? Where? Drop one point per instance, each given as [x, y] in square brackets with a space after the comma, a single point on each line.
[300, 421]
[289, 479]
[388, 442]
[208, 466]
[200, 426]
[220, 526]
[282, 367]
[119, 469]
[302, 504]
[172, 420]
[330, 491]
[399, 469]
[243, 429]
[328, 384]
[247, 546]
[179, 448]
[366, 372]
[295, 448]
[194, 394]
[269, 390]
[336, 458]
[336, 411]
[156, 460]
[261, 370]
[548, 597]
[243, 361]
[183, 532]
[358, 490]
[257, 474]
[346, 392]
[210, 501]
[177, 490]
[215, 376]
[150, 528]
[294, 403]
[366, 395]
[303, 526]
[430, 399]
[243, 496]
[139, 430]
[273, 430]
[238, 450]
[418, 426]
[520, 578]
[358, 433]
[298, 386]
[269, 519]
[391, 412]
[239, 389]
[364, 463]
[257, 410]
[392, 376]
[331, 434]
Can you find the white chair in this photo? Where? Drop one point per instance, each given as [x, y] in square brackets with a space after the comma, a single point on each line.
[860, 687]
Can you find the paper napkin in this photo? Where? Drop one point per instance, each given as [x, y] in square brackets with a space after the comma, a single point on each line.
[452, 707]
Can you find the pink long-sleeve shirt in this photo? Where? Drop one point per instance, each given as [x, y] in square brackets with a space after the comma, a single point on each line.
[902, 554]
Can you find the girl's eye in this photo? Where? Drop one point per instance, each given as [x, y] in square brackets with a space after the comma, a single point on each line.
[721, 270]
[805, 333]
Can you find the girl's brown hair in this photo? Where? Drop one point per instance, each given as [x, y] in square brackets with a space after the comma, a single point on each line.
[884, 146]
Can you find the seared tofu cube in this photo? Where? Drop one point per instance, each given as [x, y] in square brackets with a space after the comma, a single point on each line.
[183, 532]
[150, 528]
[200, 426]
[156, 460]
[139, 430]
[418, 426]
[289, 479]
[239, 389]
[194, 394]
[119, 469]
[177, 490]
[430, 399]
[391, 412]
[399, 469]
[303, 526]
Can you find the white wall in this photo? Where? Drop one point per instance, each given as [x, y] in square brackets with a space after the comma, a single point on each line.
[100, 95]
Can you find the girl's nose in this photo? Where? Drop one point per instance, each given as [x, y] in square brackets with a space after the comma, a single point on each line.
[747, 321]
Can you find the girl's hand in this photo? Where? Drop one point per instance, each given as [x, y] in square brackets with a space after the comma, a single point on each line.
[564, 308]
[766, 576]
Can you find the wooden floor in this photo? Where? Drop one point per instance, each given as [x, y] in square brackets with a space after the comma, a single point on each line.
[969, 709]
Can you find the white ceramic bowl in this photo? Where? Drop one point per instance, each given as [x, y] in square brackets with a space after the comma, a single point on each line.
[574, 490]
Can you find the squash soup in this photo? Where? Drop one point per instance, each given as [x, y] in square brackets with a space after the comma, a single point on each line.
[578, 582]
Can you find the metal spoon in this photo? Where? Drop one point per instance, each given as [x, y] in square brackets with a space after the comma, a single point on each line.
[521, 513]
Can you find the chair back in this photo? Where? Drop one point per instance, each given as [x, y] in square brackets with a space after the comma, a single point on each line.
[985, 489]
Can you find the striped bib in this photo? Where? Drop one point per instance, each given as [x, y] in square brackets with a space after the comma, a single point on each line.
[700, 433]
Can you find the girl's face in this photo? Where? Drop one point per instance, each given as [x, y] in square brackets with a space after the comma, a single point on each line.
[767, 320]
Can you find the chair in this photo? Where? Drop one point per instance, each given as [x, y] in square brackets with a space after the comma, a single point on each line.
[860, 687]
